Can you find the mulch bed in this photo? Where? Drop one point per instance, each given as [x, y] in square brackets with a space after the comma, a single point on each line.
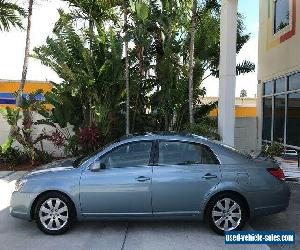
[22, 167]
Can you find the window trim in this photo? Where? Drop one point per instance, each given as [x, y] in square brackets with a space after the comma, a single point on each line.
[151, 157]
[183, 141]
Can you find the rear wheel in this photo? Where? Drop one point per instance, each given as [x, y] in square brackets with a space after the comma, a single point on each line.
[226, 212]
[54, 213]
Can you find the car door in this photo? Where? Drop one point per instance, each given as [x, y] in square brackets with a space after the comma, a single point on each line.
[183, 174]
[123, 187]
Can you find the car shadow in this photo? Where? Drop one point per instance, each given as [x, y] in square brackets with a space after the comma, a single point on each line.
[19, 234]
[288, 220]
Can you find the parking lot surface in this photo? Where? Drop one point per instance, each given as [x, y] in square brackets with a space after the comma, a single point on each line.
[19, 234]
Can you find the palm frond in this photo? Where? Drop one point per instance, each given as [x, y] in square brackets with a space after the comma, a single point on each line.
[245, 67]
[10, 15]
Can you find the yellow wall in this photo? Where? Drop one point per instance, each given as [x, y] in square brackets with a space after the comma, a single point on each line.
[239, 112]
[278, 56]
[30, 86]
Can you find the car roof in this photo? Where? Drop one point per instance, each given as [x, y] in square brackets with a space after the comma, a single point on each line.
[225, 153]
[163, 135]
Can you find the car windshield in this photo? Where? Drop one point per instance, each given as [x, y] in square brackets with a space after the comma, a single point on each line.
[83, 158]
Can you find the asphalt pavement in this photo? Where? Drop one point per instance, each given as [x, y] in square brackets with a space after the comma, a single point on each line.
[19, 234]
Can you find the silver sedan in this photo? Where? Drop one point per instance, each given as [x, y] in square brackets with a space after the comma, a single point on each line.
[153, 177]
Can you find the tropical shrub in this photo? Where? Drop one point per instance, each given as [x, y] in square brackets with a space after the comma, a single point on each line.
[13, 156]
[72, 146]
[92, 90]
[22, 131]
[89, 139]
[43, 157]
[275, 149]
[91, 62]
[57, 138]
[207, 127]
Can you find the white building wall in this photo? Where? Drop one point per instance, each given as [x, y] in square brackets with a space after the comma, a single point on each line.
[246, 133]
[47, 145]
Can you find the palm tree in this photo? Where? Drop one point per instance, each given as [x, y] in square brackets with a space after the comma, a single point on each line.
[19, 94]
[10, 15]
[126, 70]
[99, 11]
[191, 61]
[26, 55]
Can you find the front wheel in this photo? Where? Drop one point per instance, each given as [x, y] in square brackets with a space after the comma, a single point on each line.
[226, 212]
[54, 213]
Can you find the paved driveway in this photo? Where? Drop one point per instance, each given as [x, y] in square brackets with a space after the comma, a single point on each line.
[18, 234]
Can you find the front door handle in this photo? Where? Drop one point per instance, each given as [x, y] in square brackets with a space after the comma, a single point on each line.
[209, 176]
[142, 178]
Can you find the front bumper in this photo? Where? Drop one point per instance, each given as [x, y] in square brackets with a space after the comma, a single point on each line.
[20, 205]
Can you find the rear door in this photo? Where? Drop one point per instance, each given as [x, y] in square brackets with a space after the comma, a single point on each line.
[183, 174]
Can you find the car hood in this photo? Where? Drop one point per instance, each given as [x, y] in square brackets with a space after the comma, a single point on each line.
[55, 166]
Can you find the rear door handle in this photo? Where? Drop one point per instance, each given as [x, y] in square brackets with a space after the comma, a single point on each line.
[142, 178]
[209, 176]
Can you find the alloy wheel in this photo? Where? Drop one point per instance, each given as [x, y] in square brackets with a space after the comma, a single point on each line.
[226, 214]
[54, 214]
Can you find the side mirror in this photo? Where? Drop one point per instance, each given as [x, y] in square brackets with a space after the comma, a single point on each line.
[97, 165]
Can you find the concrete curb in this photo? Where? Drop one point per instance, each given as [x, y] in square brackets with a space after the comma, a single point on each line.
[8, 174]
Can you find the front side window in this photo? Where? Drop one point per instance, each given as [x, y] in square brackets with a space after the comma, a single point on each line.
[184, 153]
[282, 14]
[128, 155]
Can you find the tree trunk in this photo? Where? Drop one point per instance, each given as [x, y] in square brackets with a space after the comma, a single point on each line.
[91, 120]
[25, 65]
[26, 56]
[126, 71]
[191, 62]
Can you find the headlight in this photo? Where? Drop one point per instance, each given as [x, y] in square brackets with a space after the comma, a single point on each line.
[19, 184]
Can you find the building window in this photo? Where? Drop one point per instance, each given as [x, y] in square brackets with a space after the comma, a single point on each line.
[279, 118]
[282, 14]
[281, 110]
[280, 85]
[294, 81]
[293, 119]
[268, 88]
[267, 118]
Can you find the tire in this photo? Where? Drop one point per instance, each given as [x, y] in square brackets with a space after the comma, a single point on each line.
[222, 217]
[54, 213]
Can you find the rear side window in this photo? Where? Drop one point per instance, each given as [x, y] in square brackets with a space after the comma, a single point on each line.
[184, 153]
